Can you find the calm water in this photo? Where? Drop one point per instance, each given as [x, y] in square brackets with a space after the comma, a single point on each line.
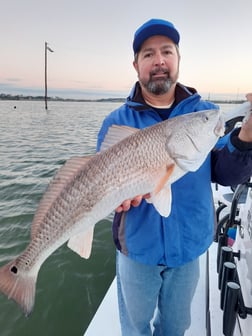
[33, 145]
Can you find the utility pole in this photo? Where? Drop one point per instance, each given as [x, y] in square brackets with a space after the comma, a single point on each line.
[46, 49]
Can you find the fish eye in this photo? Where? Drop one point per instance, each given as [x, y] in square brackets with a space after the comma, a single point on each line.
[205, 118]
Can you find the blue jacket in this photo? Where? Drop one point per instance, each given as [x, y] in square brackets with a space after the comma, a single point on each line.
[144, 235]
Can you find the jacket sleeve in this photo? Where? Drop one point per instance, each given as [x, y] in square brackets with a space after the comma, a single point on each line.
[231, 161]
[110, 119]
[103, 130]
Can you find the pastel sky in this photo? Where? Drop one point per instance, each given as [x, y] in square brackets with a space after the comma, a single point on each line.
[92, 43]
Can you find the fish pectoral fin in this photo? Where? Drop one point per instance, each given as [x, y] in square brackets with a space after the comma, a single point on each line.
[162, 201]
[115, 134]
[161, 196]
[82, 243]
[162, 182]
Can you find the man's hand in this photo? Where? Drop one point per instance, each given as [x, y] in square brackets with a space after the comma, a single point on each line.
[246, 129]
[249, 97]
[135, 202]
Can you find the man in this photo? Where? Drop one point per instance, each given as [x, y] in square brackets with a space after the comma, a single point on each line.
[157, 259]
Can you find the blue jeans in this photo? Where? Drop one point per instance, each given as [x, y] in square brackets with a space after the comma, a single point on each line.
[143, 288]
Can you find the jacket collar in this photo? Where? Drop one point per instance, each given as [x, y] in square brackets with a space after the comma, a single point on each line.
[137, 101]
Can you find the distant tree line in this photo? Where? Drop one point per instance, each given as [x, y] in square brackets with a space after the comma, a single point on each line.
[4, 96]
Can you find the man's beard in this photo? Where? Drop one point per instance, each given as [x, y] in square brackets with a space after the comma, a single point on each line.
[159, 86]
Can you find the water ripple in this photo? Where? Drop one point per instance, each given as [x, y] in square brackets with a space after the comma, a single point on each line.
[34, 144]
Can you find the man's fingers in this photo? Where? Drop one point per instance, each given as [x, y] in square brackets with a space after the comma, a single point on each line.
[135, 202]
[249, 97]
[125, 206]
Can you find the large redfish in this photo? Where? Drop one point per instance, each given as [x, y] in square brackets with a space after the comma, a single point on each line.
[87, 189]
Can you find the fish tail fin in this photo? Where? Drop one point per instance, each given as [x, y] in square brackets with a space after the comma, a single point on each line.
[18, 285]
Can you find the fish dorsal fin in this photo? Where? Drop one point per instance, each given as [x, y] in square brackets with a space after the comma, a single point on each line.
[82, 243]
[64, 175]
[115, 134]
[161, 196]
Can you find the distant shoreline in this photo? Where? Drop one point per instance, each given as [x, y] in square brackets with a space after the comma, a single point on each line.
[42, 98]
[4, 96]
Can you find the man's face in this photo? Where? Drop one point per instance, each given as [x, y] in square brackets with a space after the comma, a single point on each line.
[157, 64]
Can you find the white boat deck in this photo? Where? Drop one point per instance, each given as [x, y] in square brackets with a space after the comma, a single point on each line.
[106, 319]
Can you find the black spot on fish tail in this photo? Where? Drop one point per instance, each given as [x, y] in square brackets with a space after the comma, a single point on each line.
[14, 269]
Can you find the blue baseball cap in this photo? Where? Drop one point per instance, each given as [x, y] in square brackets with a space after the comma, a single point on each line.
[154, 27]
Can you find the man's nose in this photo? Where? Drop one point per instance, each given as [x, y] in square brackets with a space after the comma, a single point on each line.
[159, 59]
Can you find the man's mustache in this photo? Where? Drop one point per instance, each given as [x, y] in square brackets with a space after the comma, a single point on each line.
[159, 70]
